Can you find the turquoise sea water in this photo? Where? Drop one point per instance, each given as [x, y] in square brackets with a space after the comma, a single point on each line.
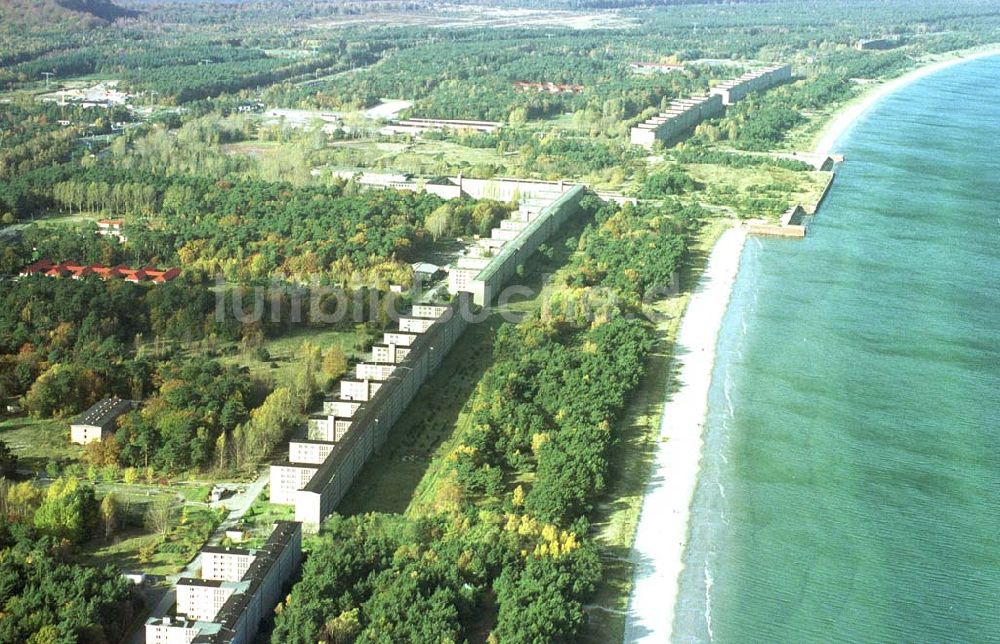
[850, 489]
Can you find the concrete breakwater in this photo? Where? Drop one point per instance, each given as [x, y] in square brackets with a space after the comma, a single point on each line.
[791, 222]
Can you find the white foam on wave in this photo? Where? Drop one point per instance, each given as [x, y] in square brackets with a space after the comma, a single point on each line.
[708, 601]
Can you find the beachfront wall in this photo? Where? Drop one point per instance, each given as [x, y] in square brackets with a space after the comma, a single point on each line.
[371, 424]
[490, 280]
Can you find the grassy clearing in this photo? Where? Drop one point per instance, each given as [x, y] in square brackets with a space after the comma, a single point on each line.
[617, 514]
[284, 352]
[194, 493]
[564, 122]
[262, 514]
[137, 548]
[251, 148]
[418, 157]
[745, 188]
[63, 219]
[38, 442]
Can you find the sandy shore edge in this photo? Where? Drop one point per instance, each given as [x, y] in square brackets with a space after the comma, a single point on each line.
[662, 531]
[847, 117]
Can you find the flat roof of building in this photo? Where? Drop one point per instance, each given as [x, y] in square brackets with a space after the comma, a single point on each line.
[221, 550]
[194, 581]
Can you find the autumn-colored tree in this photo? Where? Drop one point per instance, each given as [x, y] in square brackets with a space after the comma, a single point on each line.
[110, 514]
[334, 362]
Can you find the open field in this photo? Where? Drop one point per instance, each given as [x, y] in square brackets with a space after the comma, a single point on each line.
[757, 191]
[138, 549]
[419, 157]
[282, 364]
[36, 442]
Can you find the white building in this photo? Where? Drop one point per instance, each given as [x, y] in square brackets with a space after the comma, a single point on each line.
[99, 421]
[231, 612]
[389, 353]
[309, 451]
[287, 479]
[201, 599]
[398, 339]
[340, 408]
[372, 371]
[359, 390]
[415, 325]
[225, 564]
[177, 631]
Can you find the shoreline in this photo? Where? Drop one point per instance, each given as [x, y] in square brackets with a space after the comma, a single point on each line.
[660, 539]
[662, 530]
[847, 117]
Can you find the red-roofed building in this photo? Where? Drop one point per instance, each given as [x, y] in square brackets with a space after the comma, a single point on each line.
[41, 266]
[137, 276]
[167, 275]
[75, 270]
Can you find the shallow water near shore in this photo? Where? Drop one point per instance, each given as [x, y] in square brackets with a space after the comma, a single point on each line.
[850, 487]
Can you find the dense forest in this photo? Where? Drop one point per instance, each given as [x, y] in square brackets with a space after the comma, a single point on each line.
[46, 597]
[66, 14]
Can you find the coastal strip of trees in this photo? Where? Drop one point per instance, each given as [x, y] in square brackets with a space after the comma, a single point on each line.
[501, 547]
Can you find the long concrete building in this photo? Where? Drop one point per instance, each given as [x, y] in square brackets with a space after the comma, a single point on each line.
[761, 79]
[512, 245]
[375, 417]
[238, 590]
[684, 114]
[322, 466]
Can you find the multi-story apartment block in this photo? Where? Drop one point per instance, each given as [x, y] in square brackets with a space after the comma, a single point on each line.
[359, 390]
[309, 451]
[389, 353]
[201, 599]
[370, 371]
[246, 602]
[225, 564]
[341, 408]
[414, 325]
[287, 479]
[398, 339]
[327, 428]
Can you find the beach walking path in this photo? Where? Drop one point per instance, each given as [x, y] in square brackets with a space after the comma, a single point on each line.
[662, 532]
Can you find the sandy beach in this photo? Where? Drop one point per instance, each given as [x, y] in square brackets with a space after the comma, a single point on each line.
[847, 117]
[663, 526]
[662, 532]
